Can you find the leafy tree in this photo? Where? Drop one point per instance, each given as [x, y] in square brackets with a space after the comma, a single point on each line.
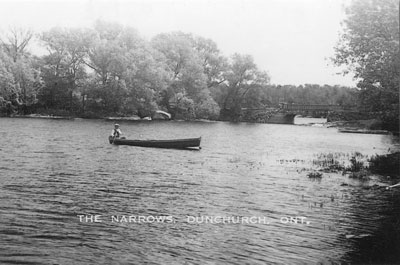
[206, 107]
[214, 64]
[369, 46]
[109, 56]
[7, 82]
[28, 81]
[241, 77]
[184, 66]
[185, 107]
[127, 68]
[63, 67]
[26, 77]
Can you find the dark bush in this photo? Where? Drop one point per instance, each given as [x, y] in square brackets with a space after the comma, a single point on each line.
[385, 164]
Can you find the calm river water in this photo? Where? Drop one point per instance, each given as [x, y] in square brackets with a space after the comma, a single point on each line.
[236, 201]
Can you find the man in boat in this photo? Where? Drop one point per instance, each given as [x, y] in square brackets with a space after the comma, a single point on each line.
[116, 132]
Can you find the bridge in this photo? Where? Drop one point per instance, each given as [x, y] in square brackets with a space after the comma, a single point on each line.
[309, 109]
[292, 108]
[287, 111]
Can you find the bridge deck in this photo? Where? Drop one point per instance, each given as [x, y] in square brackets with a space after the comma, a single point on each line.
[310, 107]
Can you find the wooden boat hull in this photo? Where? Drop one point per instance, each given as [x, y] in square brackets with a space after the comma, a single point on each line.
[173, 144]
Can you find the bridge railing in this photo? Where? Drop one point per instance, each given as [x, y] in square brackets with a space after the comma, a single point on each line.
[310, 107]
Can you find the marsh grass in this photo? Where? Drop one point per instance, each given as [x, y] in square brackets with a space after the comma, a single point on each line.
[357, 165]
[354, 164]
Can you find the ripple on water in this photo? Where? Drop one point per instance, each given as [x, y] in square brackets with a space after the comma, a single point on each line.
[242, 171]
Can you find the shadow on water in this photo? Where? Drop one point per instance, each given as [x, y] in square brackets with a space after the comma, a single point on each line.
[382, 221]
[171, 148]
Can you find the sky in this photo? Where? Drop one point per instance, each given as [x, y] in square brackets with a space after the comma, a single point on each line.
[293, 40]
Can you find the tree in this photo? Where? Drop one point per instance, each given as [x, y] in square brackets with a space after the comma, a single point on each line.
[7, 82]
[63, 67]
[16, 41]
[241, 77]
[129, 73]
[214, 64]
[369, 47]
[26, 80]
[183, 64]
[206, 107]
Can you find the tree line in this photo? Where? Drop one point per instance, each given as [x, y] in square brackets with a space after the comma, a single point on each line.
[111, 69]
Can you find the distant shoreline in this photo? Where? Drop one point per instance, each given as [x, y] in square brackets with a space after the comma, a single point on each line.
[358, 126]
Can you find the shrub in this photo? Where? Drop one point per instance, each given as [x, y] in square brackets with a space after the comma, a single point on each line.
[385, 164]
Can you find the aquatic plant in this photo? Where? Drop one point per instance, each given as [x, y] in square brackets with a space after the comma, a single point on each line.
[329, 162]
[356, 165]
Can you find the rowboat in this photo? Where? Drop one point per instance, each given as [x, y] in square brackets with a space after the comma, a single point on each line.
[173, 144]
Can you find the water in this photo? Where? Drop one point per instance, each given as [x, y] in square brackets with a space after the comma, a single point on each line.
[53, 171]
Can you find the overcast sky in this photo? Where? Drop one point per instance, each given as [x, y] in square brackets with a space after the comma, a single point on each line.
[290, 39]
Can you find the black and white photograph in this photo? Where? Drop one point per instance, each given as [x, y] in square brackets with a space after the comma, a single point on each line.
[199, 132]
